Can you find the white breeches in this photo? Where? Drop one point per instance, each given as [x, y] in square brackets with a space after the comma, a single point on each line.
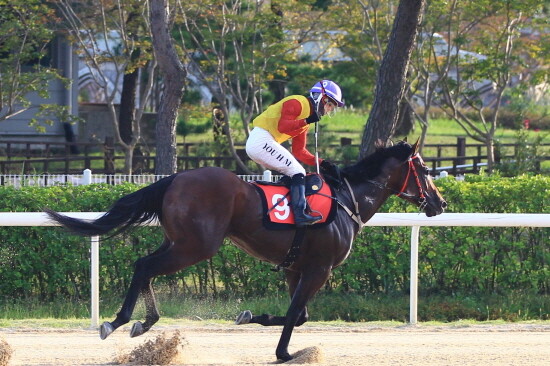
[263, 149]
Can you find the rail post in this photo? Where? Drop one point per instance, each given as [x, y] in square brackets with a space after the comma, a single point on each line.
[86, 177]
[94, 274]
[267, 176]
[94, 264]
[413, 302]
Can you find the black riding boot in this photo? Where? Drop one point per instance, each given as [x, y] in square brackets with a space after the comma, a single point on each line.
[298, 202]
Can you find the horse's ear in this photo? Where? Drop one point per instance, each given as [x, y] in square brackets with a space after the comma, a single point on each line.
[416, 146]
[405, 139]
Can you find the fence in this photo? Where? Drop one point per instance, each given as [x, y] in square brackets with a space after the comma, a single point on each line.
[380, 219]
[70, 158]
[45, 180]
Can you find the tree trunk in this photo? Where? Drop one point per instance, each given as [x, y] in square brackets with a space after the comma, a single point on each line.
[405, 119]
[490, 155]
[390, 84]
[127, 111]
[174, 75]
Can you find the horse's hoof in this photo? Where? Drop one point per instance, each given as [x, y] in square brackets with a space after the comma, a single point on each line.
[137, 330]
[284, 357]
[244, 317]
[105, 330]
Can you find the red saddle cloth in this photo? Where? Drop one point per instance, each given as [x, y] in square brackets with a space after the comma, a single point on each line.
[276, 203]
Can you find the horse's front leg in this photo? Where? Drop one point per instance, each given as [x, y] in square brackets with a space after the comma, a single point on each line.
[309, 284]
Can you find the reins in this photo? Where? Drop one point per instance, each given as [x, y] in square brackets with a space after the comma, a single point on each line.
[421, 198]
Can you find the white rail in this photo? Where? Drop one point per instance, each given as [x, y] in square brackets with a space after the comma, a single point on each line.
[47, 180]
[379, 219]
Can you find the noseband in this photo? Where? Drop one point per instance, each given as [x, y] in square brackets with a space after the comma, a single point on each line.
[420, 198]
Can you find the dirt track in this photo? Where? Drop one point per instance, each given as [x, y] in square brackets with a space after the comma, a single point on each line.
[511, 344]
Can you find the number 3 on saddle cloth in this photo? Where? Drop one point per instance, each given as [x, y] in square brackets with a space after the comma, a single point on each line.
[275, 197]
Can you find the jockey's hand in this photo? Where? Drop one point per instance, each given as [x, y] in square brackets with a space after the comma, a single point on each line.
[331, 173]
[314, 118]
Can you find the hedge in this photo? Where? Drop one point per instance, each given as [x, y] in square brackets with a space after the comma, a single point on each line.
[46, 262]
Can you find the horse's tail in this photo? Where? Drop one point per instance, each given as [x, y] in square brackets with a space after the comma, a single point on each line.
[136, 208]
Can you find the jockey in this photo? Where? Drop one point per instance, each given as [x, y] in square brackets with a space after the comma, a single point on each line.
[289, 119]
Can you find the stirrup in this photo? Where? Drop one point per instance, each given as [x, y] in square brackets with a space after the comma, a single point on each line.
[305, 219]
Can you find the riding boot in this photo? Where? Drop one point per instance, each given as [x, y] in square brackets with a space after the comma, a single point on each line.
[298, 202]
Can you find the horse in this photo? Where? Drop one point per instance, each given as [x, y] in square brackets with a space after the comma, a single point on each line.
[198, 208]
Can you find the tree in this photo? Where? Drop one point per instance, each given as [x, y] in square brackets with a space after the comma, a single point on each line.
[435, 59]
[236, 47]
[504, 61]
[113, 38]
[174, 78]
[390, 84]
[26, 30]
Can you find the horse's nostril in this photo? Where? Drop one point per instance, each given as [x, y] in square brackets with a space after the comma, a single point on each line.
[444, 204]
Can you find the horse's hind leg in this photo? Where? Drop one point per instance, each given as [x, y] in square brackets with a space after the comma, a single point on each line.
[147, 293]
[174, 257]
[152, 315]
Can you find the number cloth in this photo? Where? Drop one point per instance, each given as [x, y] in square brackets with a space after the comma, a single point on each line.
[277, 210]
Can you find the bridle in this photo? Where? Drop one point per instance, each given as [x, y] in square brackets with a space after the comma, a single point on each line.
[421, 198]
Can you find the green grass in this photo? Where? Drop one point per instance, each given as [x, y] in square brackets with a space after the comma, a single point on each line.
[441, 131]
[326, 307]
[168, 321]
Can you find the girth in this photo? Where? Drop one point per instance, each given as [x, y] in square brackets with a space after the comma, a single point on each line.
[294, 250]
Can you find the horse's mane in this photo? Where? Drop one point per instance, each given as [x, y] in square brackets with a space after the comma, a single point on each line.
[371, 166]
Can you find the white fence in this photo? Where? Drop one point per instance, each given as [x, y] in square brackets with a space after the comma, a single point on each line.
[379, 219]
[46, 180]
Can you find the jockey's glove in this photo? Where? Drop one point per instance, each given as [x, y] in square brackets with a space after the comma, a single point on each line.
[313, 118]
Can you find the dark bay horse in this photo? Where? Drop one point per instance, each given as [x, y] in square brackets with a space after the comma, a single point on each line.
[199, 208]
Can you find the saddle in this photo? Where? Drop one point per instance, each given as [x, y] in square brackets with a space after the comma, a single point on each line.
[275, 198]
[314, 183]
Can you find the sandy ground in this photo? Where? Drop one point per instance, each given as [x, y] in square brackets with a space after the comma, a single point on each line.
[509, 344]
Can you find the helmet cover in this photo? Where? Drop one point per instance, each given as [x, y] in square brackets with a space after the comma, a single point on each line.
[330, 89]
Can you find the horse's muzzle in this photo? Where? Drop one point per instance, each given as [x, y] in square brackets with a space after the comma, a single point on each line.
[435, 208]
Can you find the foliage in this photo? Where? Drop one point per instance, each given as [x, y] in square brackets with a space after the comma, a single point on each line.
[524, 154]
[357, 92]
[471, 54]
[192, 120]
[467, 260]
[25, 64]
[233, 48]
[114, 42]
[488, 260]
